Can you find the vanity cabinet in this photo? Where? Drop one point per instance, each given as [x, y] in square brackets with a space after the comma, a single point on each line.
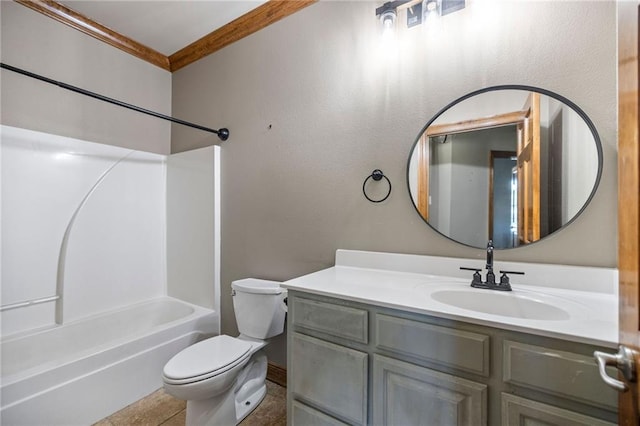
[359, 364]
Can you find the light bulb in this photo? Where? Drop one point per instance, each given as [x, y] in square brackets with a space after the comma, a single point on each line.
[388, 19]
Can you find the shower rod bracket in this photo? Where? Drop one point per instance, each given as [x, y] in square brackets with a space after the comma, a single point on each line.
[223, 133]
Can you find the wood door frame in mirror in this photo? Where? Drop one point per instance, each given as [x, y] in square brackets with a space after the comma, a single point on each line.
[423, 155]
[423, 176]
[498, 120]
[529, 172]
[527, 121]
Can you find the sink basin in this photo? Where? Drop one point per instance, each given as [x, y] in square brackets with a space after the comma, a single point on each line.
[504, 304]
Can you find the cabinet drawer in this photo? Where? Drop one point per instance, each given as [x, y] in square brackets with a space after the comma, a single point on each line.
[336, 320]
[331, 377]
[304, 415]
[521, 411]
[406, 394]
[566, 374]
[458, 349]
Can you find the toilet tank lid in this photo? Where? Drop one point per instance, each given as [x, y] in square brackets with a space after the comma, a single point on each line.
[254, 285]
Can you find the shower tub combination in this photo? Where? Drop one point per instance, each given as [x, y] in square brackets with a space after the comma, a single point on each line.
[82, 371]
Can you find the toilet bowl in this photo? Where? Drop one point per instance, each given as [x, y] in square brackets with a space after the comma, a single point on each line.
[223, 378]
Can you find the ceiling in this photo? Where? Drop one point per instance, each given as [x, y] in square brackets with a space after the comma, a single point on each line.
[164, 26]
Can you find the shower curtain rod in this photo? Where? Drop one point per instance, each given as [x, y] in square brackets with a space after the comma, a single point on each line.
[222, 133]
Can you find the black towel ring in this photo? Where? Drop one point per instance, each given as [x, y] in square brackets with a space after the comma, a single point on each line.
[376, 175]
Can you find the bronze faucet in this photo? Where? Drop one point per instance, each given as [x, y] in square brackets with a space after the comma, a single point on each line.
[490, 282]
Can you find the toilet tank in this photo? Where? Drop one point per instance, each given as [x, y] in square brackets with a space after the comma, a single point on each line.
[259, 307]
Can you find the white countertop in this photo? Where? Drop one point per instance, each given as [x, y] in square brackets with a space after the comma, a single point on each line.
[586, 296]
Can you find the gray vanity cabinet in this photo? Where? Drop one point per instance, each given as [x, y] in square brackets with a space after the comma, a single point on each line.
[358, 364]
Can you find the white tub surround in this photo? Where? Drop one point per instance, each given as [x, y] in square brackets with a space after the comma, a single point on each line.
[83, 227]
[86, 322]
[81, 372]
[581, 302]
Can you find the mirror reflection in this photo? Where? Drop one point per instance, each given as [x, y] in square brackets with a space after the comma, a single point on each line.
[511, 165]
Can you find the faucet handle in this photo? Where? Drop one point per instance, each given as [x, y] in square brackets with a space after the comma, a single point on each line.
[511, 272]
[477, 278]
[504, 278]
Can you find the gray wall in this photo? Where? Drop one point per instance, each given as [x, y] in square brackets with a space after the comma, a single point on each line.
[41, 45]
[314, 105]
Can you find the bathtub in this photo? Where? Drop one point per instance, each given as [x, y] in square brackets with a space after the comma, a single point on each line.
[83, 371]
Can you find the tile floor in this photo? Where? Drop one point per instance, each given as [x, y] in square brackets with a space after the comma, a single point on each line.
[159, 408]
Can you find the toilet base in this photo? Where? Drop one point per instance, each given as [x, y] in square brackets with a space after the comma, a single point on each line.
[231, 407]
[244, 408]
[217, 411]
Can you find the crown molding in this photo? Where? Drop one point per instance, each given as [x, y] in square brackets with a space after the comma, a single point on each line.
[253, 21]
[76, 20]
[249, 23]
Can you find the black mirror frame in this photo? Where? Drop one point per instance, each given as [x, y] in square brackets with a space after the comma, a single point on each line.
[576, 108]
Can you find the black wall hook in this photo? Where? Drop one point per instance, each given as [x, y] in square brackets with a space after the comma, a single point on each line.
[376, 175]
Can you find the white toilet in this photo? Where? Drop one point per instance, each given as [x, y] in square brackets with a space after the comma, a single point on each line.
[223, 378]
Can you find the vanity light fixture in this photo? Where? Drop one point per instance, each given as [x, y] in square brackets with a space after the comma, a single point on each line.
[414, 15]
[430, 6]
[388, 19]
[430, 10]
[450, 6]
[387, 13]
[417, 11]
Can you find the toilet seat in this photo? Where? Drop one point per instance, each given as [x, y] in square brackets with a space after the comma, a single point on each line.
[206, 359]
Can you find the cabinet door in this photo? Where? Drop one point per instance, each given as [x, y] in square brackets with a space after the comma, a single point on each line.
[433, 343]
[407, 394]
[337, 320]
[565, 374]
[330, 377]
[518, 411]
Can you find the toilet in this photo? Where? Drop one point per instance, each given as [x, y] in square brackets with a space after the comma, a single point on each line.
[223, 378]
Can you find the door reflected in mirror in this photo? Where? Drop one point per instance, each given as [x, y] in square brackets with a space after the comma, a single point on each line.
[509, 164]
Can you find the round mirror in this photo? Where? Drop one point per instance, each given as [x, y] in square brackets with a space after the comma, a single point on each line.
[511, 164]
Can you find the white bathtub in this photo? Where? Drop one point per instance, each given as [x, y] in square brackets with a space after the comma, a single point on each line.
[81, 372]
